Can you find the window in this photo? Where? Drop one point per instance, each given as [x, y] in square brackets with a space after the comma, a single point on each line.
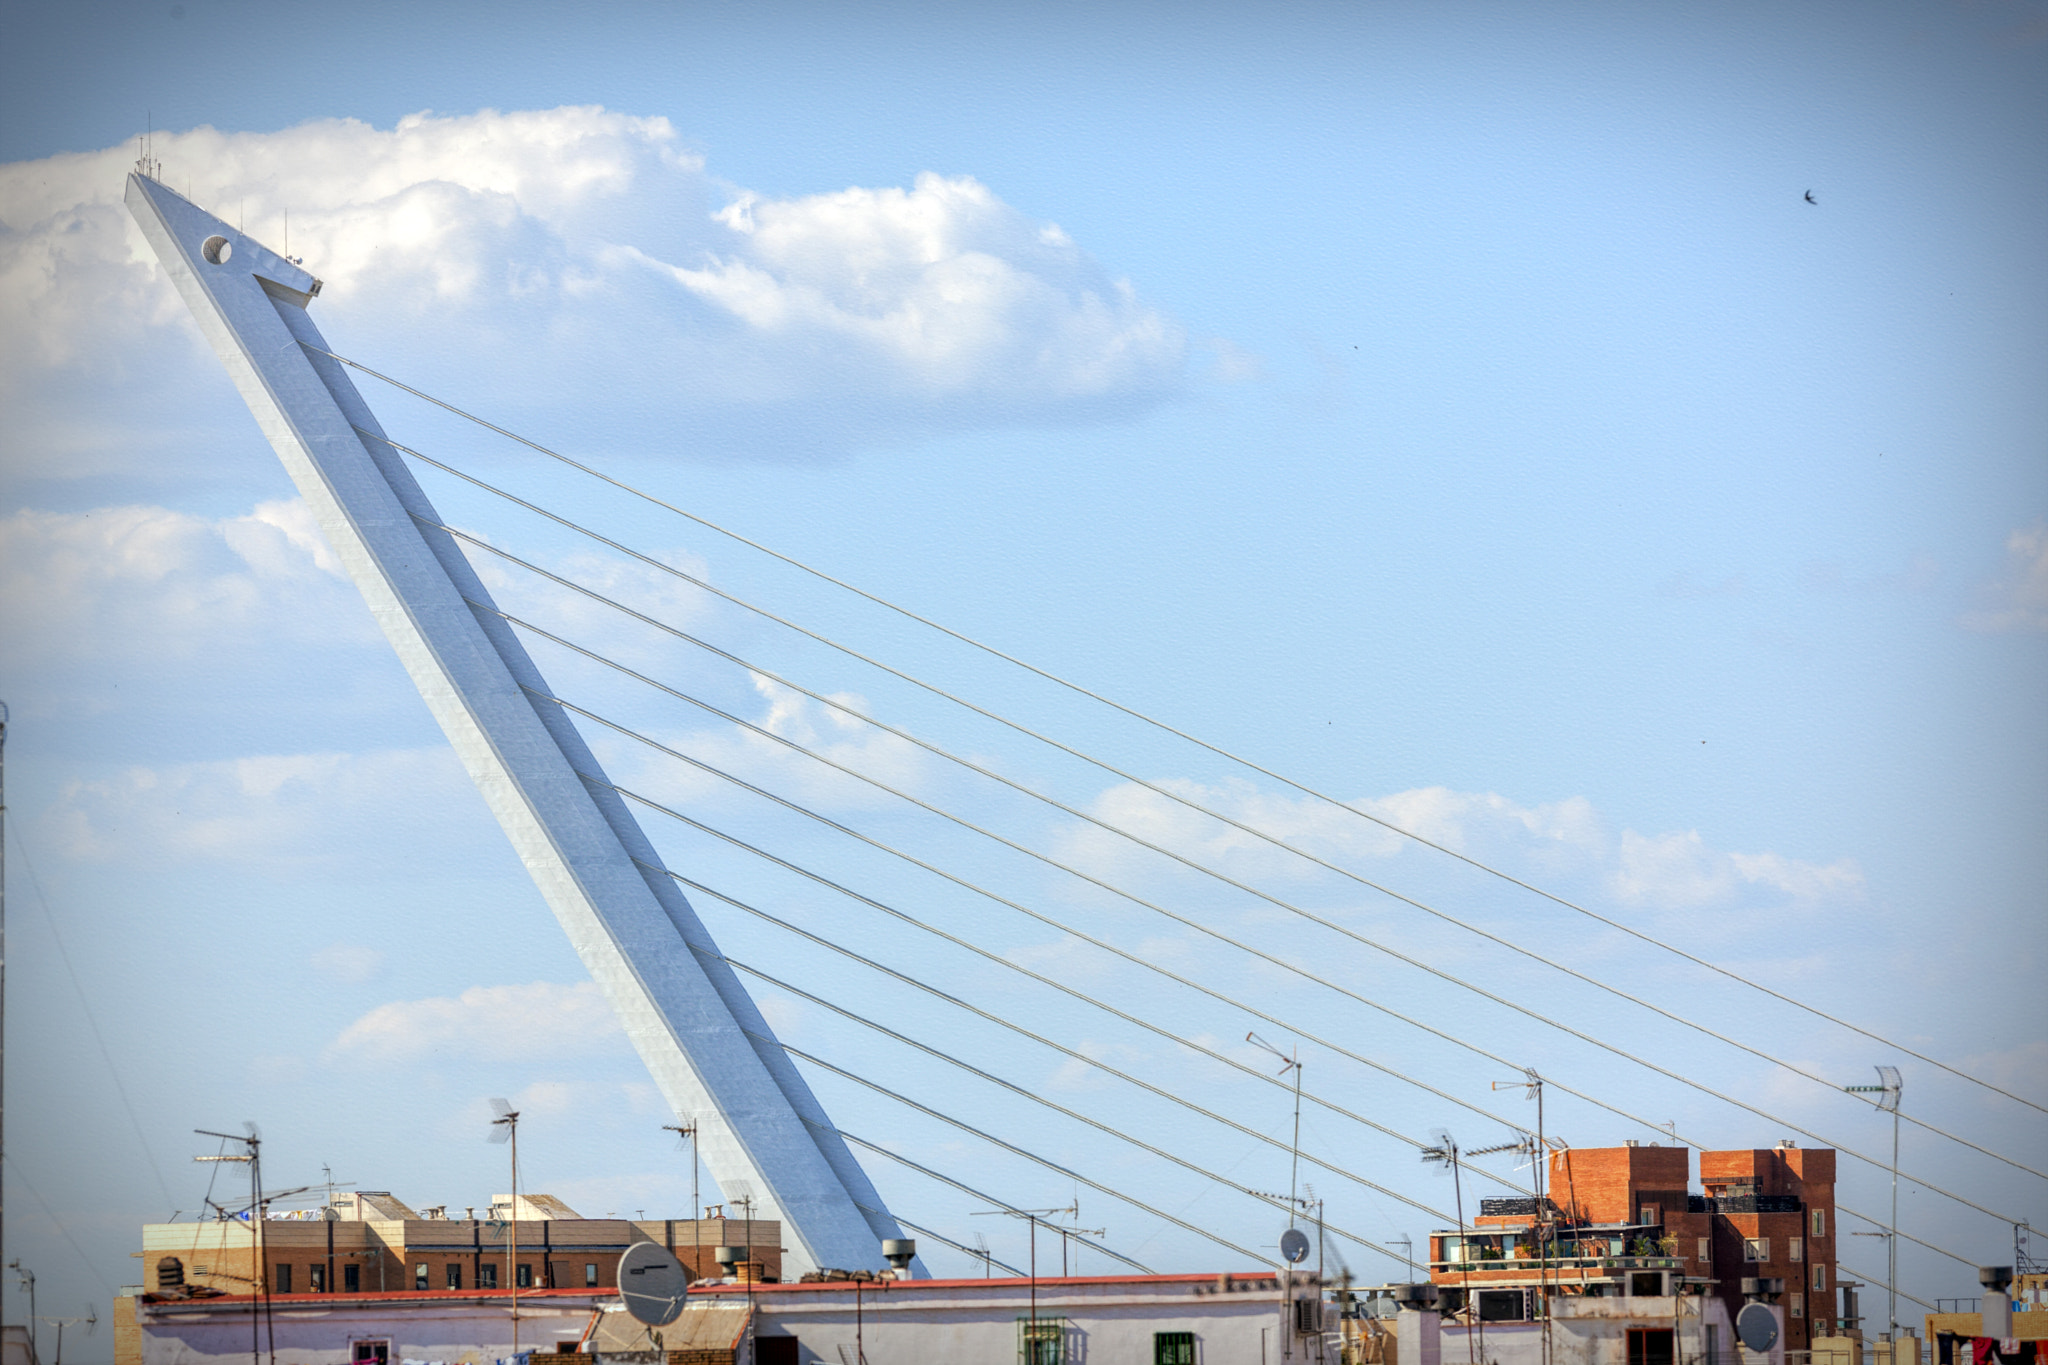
[1649, 1346]
[487, 1275]
[1173, 1348]
[1820, 1279]
[590, 1273]
[1820, 1222]
[1651, 1214]
[1502, 1305]
[776, 1350]
[1706, 1249]
[281, 1283]
[1799, 1305]
[370, 1352]
[522, 1275]
[1756, 1248]
[316, 1278]
[419, 1276]
[454, 1275]
[1041, 1341]
[351, 1278]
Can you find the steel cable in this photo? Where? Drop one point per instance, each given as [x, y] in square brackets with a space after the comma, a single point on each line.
[1072, 991]
[1248, 1131]
[1190, 923]
[964, 1188]
[1025, 1092]
[1013, 1148]
[1190, 863]
[1163, 726]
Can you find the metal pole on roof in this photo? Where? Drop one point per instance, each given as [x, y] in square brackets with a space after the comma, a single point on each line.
[3, 990]
[1889, 1089]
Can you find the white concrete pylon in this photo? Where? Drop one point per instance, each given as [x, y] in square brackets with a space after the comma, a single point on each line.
[711, 1053]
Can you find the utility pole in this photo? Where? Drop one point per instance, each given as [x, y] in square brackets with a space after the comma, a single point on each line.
[1888, 1090]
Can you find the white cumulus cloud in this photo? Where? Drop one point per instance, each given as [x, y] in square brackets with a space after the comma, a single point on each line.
[1680, 871]
[142, 581]
[541, 1020]
[1564, 845]
[531, 257]
[1470, 822]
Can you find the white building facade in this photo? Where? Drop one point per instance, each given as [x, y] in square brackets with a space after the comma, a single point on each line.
[1095, 1320]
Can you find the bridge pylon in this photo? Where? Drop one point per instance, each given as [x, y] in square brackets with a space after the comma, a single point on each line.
[710, 1052]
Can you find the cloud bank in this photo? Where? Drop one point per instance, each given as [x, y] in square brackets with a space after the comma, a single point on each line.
[531, 257]
[1564, 845]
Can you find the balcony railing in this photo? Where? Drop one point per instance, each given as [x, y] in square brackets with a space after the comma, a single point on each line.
[1533, 1263]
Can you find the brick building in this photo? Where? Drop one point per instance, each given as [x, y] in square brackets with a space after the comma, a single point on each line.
[1773, 1216]
[1628, 1224]
[373, 1243]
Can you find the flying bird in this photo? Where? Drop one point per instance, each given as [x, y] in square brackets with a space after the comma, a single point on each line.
[1810, 199]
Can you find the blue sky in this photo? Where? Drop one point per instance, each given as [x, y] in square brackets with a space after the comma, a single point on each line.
[1456, 408]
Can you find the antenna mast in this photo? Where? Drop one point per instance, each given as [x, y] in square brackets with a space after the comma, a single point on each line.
[1289, 1061]
[505, 1128]
[687, 1129]
[259, 1301]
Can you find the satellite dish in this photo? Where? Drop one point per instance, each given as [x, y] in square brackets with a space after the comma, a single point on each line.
[653, 1284]
[1757, 1325]
[1294, 1246]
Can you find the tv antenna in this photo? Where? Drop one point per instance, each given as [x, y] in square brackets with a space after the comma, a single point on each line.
[1445, 1156]
[1034, 1217]
[505, 1128]
[1289, 1061]
[1069, 1233]
[251, 1155]
[1889, 1090]
[686, 1131]
[91, 1320]
[981, 1249]
[1407, 1245]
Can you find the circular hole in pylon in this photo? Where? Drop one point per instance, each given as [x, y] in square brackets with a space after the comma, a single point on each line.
[217, 250]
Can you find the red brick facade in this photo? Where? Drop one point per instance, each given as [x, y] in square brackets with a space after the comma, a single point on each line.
[1764, 1214]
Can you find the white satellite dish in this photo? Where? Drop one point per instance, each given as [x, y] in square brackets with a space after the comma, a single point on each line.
[653, 1284]
[1757, 1325]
